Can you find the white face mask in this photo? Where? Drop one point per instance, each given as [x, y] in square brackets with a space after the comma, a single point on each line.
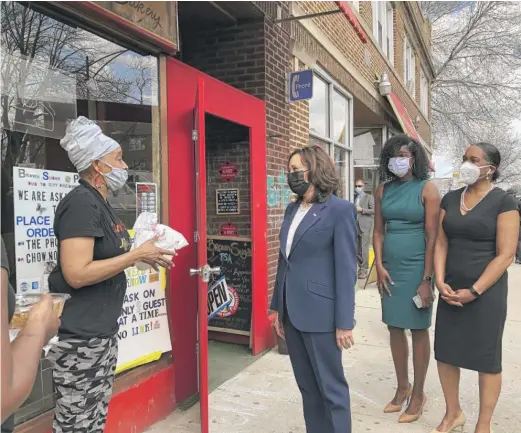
[469, 172]
[399, 166]
[116, 178]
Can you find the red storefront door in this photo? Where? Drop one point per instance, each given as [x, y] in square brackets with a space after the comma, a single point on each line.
[187, 214]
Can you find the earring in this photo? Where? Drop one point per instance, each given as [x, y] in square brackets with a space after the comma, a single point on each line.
[98, 181]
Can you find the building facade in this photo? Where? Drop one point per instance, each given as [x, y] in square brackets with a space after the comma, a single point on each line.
[349, 51]
[197, 93]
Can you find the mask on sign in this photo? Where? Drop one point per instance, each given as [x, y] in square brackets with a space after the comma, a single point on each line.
[399, 166]
[469, 172]
[116, 179]
[297, 182]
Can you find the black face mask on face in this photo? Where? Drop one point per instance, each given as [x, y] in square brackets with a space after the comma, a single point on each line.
[297, 182]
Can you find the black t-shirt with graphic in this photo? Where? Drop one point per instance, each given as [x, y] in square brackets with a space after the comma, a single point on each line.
[92, 311]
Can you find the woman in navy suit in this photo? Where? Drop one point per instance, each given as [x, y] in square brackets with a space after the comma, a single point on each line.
[314, 294]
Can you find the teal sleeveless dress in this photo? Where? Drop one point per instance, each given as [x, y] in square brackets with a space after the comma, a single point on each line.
[404, 253]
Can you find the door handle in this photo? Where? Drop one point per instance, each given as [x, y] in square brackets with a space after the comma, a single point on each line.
[205, 272]
[194, 272]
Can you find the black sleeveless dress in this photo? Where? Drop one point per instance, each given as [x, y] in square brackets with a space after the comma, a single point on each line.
[471, 337]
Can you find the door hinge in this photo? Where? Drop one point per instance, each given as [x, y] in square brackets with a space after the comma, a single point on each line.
[196, 236]
[195, 135]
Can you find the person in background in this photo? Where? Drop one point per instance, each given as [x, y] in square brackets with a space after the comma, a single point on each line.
[314, 293]
[518, 249]
[406, 221]
[20, 359]
[93, 253]
[365, 214]
[477, 239]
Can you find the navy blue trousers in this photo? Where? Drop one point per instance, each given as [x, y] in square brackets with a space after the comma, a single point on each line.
[317, 364]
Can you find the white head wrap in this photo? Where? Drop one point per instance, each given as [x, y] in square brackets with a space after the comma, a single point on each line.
[85, 143]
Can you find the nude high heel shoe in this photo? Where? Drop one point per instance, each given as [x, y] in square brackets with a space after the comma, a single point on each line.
[406, 418]
[459, 423]
[394, 408]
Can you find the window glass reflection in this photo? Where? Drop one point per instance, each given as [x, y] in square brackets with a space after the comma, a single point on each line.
[316, 141]
[367, 146]
[319, 108]
[340, 116]
[51, 73]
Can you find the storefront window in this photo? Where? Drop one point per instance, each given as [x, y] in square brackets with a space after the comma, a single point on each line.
[330, 124]
[367, 147]
[51, 73]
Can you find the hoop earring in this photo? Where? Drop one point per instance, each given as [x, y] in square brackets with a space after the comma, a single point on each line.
[97, 183]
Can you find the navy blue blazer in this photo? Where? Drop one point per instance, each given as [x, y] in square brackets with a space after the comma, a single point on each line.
[318, 277]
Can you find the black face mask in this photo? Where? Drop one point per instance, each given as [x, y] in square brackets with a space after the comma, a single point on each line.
[297, 182]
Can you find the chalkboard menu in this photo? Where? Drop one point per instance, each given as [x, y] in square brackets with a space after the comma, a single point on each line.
[233, 255]
[227, 201]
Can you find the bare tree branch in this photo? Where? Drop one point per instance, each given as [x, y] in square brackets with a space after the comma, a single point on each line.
[476, 95]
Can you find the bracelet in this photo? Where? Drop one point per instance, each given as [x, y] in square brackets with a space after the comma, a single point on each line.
[474, 292]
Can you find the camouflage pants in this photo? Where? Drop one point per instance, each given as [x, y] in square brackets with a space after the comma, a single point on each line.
[83, 375]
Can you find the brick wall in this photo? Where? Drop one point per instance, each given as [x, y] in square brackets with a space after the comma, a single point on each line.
[234, 55]
[366, 12]
[227, 142]
[278, 64]
[299, 119]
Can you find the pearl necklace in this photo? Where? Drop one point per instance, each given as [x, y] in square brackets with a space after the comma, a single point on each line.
[462, 199]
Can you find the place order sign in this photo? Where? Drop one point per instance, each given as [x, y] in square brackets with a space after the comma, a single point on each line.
[36, 197]
[227, 201]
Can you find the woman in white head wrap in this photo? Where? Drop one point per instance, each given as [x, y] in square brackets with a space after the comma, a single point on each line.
[93, 253]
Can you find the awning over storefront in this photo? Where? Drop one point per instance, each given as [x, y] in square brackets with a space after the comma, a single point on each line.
[405, 121]
[403, 116]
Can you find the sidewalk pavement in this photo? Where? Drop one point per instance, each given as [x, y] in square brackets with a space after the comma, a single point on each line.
[264, 398]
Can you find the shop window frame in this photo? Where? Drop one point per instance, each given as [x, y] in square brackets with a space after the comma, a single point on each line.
[330, 141]
[386, 133]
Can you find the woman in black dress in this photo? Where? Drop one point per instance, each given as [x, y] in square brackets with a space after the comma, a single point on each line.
[477, 239]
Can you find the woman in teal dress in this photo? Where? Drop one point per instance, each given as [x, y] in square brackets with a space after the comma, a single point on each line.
[406, 221]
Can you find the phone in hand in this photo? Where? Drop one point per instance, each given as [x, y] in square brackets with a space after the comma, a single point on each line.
[418, 301]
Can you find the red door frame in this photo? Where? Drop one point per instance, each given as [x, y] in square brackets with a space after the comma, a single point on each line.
[231, 104]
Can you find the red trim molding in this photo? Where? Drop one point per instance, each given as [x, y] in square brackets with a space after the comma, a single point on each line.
[351, 17]
[130, 411]
[141, 406]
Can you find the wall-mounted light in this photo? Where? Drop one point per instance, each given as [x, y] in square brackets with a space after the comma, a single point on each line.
[384, 86]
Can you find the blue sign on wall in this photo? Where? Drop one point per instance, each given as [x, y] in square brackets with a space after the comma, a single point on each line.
[300, 85]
